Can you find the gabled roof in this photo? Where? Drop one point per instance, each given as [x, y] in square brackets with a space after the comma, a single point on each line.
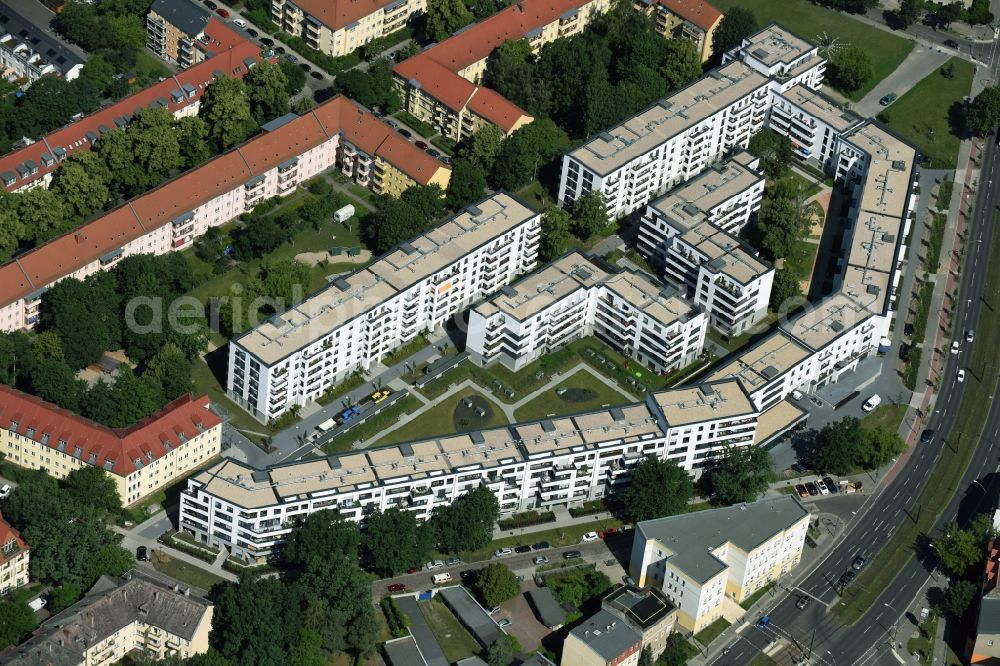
[8, 534]
[174, 93]
[337, 14]
[109, 233]
[119, 451]
[698, 12]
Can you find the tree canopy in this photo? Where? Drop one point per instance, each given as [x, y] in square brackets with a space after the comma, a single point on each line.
[774, 151]
[737, 24]
[496, 583]
[982, 114]
[851, 68]
[394, 541]
[658, 488]
[444, 17]
[844, 445]
[959, 549]
[467, 523]
[555, 237]
[741, 475]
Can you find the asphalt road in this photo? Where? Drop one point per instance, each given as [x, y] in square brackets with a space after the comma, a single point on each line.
[813, 629]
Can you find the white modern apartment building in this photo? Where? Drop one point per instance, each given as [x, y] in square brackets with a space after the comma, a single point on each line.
[690, 234]
[355, 321]
[29, 50]
[338, 27]
[813, 124]
[703, 561]
[289, 151]
[679, 136]
[573, 297]
[534, 465]
[819, 345]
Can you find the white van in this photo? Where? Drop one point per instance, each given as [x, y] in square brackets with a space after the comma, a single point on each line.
[441, 578]
[871, 403]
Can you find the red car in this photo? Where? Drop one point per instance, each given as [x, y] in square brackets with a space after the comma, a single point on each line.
[612, 530]
[223, 12]
[414, 570]
[397, 587]
[421, 145]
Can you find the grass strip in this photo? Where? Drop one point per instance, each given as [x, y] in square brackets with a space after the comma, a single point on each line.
[712, 631]
[373, 425]
[934, 242]
[959, 448]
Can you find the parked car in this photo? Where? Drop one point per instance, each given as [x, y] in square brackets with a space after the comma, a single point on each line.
[280, 50]
[541, 559]
[441, 578]
[871, 403]
[316, 74]
[253, 33]
[523, 549]
[239, 23]
[305, 67]
[5, 491]
[589, 536]
[799, 468]
[210, 4]
[468, 574]
[494, 610]
[904, 351]
[413, 570]
[954, 347]
[859, 562]
[802, 602]
[541, 545]
[397, 587]
[830, 484]
[379, 396]
[970, 335]
[812, 489]
[142, 554]
[502, 552]
[435, 564]
[961, 375]
[452, 561]
[422, 145]
[823, 490]
[291, 57]
[801, 490]
[506, 622]
[223, 12]
[433, 153]
[572, 555]
[267, 41]
[888, 99]
[407, 134]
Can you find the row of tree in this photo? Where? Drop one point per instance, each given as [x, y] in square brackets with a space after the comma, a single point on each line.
[844, 446]
[128, 161]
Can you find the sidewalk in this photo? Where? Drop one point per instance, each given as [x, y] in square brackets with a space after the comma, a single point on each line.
[132, 539]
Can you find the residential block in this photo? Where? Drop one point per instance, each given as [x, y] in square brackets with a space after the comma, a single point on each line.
[573, 297]
[442, 85]
[141, 459]
[30, 50]
[355, 321]
[338, 27]
[186, 32]
[14, 556]
[707, 560]
[691, 234]
[135, 613]
[289, 151]
[693, 20]
[529, 466]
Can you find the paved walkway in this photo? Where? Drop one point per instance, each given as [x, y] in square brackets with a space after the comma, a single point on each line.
[921, 62]
[143, 535]
[507, 409]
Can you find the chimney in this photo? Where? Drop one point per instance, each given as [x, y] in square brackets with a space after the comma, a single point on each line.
[187, 591]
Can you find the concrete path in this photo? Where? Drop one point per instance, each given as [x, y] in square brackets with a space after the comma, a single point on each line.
[147, 533]
[921, 62]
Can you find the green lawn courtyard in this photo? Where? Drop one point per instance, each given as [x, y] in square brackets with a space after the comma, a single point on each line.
[579, 392]
[184, 572]
[928, 115]
[455, 641]
[449, 416]
[812, 22]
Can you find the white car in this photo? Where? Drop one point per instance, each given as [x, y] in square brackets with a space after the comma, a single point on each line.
[239, 23]
[503, 552]
[590, 536]
[541, 559]
[5, 491]
[871, 403]
[506, 622]
[954, 347]
[823, 490]
[961, 375]
[970, 335]
[436, 564]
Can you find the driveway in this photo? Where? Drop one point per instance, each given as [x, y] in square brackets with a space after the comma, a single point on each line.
[524, 626]
[921, 62]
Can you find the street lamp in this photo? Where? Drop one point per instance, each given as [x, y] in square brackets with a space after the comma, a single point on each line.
[832, 657]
